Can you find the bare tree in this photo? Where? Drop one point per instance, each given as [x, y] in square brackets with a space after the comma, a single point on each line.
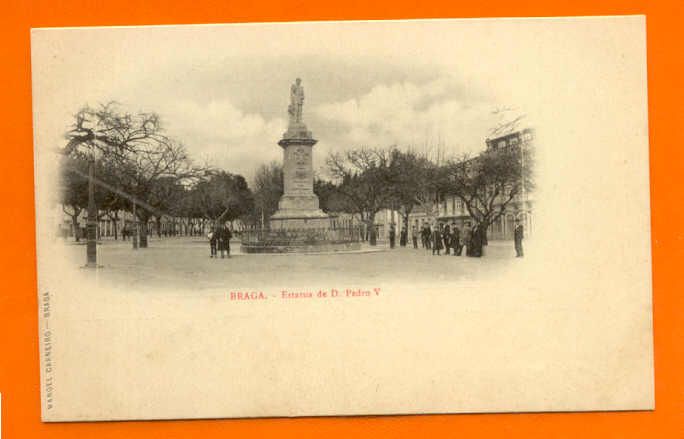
[152, 175]
[487, 184]
[221, 197]
[104, 133]
[106, 130]
[137, 161]
[415, 181]
[364, 179]
[74, 191]
[268, 188]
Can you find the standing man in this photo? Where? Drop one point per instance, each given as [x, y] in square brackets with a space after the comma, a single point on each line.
[392, 235]
[467, 235]
[437, 239]
[414, 235]
[224, 240]
[446, 237]
[220, 240]
[213, 240]
[518, 237]
[428, 236]
[476, 241]
[456, 239]
[229, 236]
[403, 236]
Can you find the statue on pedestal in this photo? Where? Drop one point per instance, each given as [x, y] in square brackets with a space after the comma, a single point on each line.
[296, 102]
[299, 225]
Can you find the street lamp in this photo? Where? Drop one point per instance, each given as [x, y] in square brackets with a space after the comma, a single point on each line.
[135, 228]
[91, 216]
[91, 224]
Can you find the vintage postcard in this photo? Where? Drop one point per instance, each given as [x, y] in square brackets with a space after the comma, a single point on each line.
[343, 218]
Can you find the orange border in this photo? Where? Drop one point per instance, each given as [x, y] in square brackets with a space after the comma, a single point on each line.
[19, 382]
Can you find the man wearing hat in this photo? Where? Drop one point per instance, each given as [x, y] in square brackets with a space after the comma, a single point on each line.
[456, 239]
[467, 236]
[437, 239]
[517, 238]
[224, 236]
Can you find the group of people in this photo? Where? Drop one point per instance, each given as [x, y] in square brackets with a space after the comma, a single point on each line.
[450, 238]
[219, 241]
[453, 239]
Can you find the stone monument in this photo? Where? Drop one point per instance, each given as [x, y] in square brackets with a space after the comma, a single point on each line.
[298, 207]
[299, 225]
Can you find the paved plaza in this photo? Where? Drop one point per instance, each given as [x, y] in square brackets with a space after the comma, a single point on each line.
[185, 263]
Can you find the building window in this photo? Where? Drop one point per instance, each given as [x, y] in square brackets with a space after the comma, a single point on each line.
[502, 144]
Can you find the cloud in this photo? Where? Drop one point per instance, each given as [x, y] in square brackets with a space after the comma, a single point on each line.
[436, 114]
[222, 135]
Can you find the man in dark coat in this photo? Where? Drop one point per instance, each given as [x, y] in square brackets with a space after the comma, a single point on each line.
[437, 239]
[220, 240]
[392, 235]
[517, 238]
[414, 234]
[425, 232]
[456, 240]
[466, 236]
[475, 243]
[446, 237]
[224, 240]
[213, 241]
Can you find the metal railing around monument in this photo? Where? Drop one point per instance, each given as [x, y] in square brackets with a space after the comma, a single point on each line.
[300, 237]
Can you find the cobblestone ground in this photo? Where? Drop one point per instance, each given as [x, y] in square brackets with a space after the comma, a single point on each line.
[185, 263]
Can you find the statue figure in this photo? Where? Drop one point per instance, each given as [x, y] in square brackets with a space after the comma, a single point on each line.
[296, 101]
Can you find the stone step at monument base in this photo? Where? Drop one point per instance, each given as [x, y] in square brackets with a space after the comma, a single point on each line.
[301, 235]
[323, 247]
[300, 219]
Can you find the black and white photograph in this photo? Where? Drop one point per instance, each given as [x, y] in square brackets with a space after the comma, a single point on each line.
[342, 218]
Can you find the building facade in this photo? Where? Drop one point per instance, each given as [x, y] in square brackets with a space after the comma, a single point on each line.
[448, 209]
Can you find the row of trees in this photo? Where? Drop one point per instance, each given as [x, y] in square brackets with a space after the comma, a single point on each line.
[368, 180]
[139, 169]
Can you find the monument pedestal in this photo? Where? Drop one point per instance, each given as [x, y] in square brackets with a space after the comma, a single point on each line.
[298, 207]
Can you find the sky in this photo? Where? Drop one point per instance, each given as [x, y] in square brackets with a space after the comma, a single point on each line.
[223, 90]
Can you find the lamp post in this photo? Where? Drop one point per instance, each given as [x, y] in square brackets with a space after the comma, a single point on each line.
[91, 223]
[523, 195]
[135, 229]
